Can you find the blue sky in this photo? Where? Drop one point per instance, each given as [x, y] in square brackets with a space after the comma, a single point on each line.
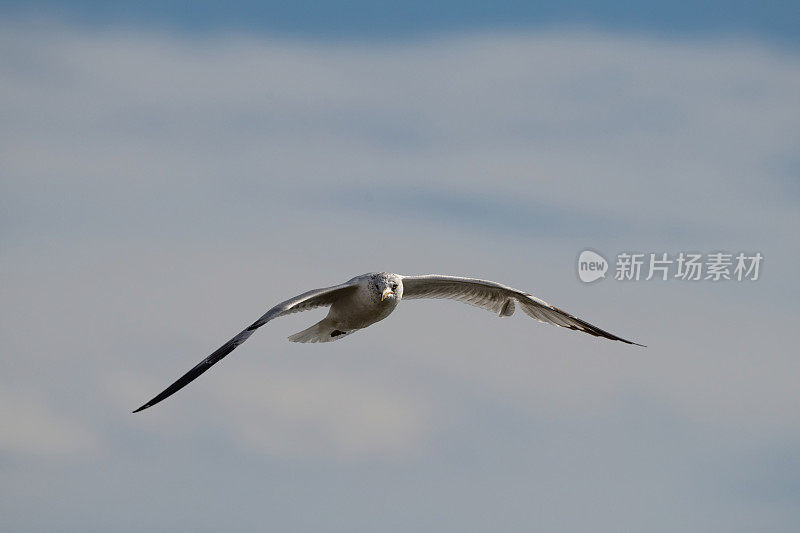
[165, 178]
[777, 21]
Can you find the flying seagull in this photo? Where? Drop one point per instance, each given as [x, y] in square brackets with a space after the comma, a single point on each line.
[369, 298]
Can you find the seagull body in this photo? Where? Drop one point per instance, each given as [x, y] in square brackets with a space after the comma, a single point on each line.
[369, 298]
[362, 301]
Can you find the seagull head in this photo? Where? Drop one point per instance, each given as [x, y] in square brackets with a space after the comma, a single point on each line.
[388, 286]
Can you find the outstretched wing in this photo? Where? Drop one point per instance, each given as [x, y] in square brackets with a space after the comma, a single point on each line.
[497, 298]
[303, 302]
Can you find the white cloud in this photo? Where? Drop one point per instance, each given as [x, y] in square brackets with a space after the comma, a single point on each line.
[324, 414]
[152, 115]
[32, 428]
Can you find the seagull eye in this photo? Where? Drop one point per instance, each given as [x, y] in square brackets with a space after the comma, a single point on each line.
[394, 286]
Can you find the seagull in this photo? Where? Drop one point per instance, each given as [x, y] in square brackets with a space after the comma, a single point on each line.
[369, 298]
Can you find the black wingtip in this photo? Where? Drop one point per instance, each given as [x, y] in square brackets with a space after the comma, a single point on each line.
[620, 339]
[615, 338]
[634, 343]
[192, 374]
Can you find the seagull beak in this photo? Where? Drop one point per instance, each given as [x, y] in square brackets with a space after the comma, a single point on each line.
[386, 292]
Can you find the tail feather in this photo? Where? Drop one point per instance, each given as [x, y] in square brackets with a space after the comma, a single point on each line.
[322, 331]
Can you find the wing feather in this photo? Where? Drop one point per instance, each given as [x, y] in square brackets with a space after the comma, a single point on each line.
[499, 299]
[303, 302]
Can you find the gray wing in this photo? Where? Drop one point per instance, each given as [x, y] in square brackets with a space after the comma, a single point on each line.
[303, 302]
[497, 298]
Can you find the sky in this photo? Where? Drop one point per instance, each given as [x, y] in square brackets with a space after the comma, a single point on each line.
[167, 175]
[381, 19]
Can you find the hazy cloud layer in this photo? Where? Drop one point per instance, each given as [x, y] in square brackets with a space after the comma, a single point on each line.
[157, 194]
